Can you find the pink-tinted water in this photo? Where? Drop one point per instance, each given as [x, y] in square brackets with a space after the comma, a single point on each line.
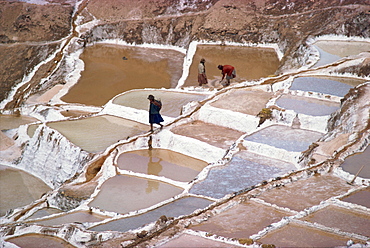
[107, 73]
[361, 198]
[306, 192]
[294, 235]
[243, 101]
[342, 219]
[80, 216]
[161, 162]
[241, 221]
[123, 194]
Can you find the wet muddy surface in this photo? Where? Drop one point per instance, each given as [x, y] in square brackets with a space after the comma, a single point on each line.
[131, 192]
[287, 138]
[250, 63]
[19, 188]
[160, 162]
[113, 69]
[172, 102]
[183, 206]
[94, 134]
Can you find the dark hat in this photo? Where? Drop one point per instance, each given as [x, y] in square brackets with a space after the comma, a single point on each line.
[202, 60]
[220, 67]
[150, 97]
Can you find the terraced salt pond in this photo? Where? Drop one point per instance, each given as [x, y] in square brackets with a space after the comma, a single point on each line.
[113, 69]
[160, 162]
[287, 138]
[172, 101]
[19, 188]
[39, 241]
[244, 170]
[354, 163]
[307, 106]
[94, 134]
[131, 192]
[325, 85]
[182, 206]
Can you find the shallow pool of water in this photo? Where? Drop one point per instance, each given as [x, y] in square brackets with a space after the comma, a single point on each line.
[361, 198]
[14, 121]
[354, 163]
[94, 134]
[249, 62]
[187, 240]
[307, 106]
[284, 137]
[244, 101]
[80, 217]
[294, 235]
[18, 188]
[161, 162]
[123, 194]
[39, 241]
[328, 86]
[241, 221]
[183, 206]
[107, 73]
[343, 219]
[306, 192]
[172, 102]
[244, 170]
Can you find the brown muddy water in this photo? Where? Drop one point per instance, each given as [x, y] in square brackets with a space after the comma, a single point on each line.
[113, 69]
[18, 188]
[250, 63]
[161, 162]
[39, 241]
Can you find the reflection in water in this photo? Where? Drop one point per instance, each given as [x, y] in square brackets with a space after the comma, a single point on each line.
[153, 169]
[106, 74]
[161, 162]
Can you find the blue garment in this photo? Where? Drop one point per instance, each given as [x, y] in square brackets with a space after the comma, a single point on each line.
[154, 115]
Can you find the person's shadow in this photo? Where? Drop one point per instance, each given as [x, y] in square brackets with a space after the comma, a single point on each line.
[154, 168]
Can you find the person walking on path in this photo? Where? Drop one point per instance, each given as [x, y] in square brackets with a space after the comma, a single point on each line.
[228, 71]
[202, 78]
[154, 115]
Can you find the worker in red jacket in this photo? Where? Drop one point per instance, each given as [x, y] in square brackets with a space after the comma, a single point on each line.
[228, 71]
